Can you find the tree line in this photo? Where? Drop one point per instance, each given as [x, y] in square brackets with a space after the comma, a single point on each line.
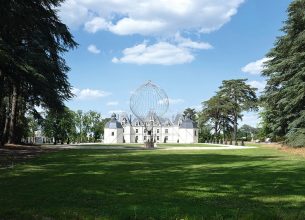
[68, 126]
[218, 119]
[34, 73]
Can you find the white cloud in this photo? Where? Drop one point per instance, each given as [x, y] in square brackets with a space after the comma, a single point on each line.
[96, 24]
[89, 93]
[93, 49]
[260, 85]
[188, 43]
[128, 26]
[149, 17]
[160, 53]
[255, 67]
[172, 101]
[112, 103]
[73, 13]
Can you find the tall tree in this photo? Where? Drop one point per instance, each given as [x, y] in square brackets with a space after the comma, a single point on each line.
[217, 112]
[60, 125]
[241, 96]
[284, 95]
[247, 131]
[32, 40]
[191, 112]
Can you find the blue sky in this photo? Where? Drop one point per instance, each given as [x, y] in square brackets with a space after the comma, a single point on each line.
[187, 47]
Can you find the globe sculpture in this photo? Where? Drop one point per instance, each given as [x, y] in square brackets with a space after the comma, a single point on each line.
[149, 103]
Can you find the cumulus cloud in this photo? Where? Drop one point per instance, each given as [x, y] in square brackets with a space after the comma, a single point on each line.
[260, 85]
[160, 53]
[256, 67]
[128, 26]
[188, 43]
[163, 53]
[93, 49]
[148, 17]
[96, 24]
[84, 94]
[112, 103]
[163, 19]
[73, 13]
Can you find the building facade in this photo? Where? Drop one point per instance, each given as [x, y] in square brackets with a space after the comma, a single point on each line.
[125, 130]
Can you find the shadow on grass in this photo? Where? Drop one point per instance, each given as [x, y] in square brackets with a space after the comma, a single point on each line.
[158, 185]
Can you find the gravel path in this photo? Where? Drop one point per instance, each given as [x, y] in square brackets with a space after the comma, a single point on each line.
[211, 147]
[224, 147]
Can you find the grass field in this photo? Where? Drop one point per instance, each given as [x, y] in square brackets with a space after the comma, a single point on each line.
[185, 145]
[260, 183]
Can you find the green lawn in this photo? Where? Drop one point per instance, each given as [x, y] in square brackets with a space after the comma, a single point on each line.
[257, 183]
[111, 145]
[185, 145]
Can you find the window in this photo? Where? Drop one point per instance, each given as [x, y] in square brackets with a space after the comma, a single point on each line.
[137, 131]
[112, 133]
[165, 139]
[195, 133]
[158, 138]
[158, 131]
[144, 138]
[145, 130]
[166, 131]
[123, 130]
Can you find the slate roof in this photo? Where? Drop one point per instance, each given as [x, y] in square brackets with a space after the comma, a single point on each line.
[113, 123]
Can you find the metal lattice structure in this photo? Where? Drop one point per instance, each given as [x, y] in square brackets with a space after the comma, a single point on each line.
[147, 102]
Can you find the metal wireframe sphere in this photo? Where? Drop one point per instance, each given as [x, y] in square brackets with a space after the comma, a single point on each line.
[148, 101]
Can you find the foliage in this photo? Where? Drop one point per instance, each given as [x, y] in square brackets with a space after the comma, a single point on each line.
[248, 132]
[284, 96]
[73, 126]
[241, 96]
[223, 110]
[89, 125]
[32, 71]
[216, 112]
[60, 126]
[191, 112]
[296, 137]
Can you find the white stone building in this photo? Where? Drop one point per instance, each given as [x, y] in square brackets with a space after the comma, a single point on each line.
[125, 130]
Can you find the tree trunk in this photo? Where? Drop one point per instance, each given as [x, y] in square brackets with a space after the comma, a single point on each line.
[224, 134]
[5, 130]
[7, 121]
[11, 138]
[235, 129]
[2, 112]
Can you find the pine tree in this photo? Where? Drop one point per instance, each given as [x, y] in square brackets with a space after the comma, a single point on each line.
[284, 96]
[241, 96]
[32, 39]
